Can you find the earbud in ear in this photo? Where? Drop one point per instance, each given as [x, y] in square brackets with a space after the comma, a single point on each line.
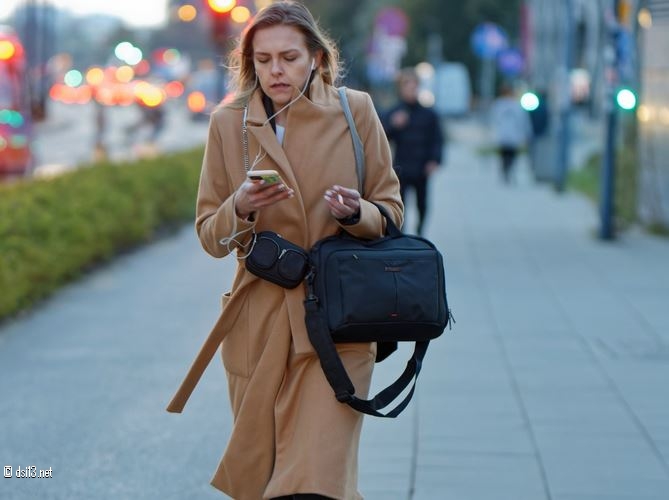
[313, 64]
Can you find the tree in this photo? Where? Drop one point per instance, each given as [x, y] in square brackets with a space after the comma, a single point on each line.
[455, 22]
[350, 23]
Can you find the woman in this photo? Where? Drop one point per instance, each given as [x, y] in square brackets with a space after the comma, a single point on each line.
[290, 437]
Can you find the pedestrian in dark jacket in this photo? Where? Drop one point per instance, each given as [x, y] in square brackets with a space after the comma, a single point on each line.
[416, 134]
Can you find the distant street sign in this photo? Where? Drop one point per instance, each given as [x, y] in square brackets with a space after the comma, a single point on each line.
[393, 21]
[510, 62]
[487, 40]
[387, 45]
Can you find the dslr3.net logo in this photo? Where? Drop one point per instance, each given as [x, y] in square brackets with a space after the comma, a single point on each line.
[8, 471]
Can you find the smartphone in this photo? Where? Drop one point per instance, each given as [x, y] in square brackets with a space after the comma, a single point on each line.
[269, 176]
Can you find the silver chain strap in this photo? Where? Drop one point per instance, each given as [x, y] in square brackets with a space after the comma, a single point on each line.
[245, 139]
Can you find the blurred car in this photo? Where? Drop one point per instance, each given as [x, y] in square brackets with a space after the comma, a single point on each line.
[15, 118]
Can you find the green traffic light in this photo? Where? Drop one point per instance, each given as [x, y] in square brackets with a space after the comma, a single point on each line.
[626, 99]
[529, 101]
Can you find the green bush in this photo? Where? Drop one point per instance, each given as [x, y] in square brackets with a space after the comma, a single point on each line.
[51, 230]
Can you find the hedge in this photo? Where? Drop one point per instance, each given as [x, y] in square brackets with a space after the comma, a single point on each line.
[52, 230]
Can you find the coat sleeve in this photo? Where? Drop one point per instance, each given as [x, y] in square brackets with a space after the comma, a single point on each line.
[216, 222]
[381, 183]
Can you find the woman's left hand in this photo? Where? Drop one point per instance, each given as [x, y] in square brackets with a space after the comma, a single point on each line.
[342, 202]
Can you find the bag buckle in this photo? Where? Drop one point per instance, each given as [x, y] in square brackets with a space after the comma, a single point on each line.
[344, 397]
[311, 293]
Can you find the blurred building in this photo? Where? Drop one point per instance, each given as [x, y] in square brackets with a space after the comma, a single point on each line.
[564, 48]
[653, 114]
[548, 31]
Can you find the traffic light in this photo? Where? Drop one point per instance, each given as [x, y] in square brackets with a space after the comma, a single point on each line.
[529, 101]
[7, 50]
[220, 20]
[221, 6]
[626, 99]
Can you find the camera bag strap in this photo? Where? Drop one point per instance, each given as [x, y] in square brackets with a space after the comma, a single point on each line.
[341, 384]
[320, 337]
[357, 143]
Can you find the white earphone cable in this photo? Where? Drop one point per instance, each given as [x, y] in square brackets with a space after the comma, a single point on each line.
[304, 89]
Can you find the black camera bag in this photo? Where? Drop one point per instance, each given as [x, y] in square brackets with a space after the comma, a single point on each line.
[277, 260]
[385, 290]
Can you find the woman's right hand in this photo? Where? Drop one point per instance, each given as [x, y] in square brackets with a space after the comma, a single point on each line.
[253, 195]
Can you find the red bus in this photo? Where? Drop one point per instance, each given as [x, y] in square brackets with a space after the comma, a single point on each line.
[15, 118]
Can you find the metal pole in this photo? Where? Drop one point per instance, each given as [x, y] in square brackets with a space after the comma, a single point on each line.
[564, 138]
[607, 229]
[487, 83]
[220, 77]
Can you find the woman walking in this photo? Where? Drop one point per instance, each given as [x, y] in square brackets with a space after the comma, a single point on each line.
[290, 438]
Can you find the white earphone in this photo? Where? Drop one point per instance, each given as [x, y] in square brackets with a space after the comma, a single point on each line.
[304, 89]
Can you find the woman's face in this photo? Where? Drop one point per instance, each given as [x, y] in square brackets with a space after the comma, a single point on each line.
[282, 62]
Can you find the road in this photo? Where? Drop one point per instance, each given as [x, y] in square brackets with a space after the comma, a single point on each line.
[67, 138]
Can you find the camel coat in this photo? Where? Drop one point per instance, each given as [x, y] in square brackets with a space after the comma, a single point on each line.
[290, 435]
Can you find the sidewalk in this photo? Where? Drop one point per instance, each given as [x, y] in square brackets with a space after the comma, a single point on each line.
[552, 384]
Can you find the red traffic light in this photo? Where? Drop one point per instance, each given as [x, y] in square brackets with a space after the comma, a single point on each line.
[222, 6]
[7, 50]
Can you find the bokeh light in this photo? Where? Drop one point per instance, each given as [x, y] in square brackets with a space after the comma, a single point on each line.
[7, 50]
[222, 6]
[73, 78]
[128, 53]
[644, 113]
[95, 76]
[424, 70]
[645, 18]
[240, 14]
[626, 99]
[125, 74]
[196, 102]
[12, 118]
[664, 115]
[149, 94]
[187, 13]
[171, 56]
[529, 101]
[174, 89]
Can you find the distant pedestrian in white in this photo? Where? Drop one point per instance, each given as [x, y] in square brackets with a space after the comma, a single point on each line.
[511, 129]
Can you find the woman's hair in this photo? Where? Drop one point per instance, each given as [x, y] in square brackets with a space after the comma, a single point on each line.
[288, 13]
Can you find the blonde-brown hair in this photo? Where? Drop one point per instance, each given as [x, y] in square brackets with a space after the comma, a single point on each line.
[289, 13]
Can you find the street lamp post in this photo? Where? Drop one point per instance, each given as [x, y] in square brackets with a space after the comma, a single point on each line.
[564, 137]
[219, 11]
[608, 172]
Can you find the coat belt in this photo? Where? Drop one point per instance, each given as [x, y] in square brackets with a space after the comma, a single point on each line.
[203, 359]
